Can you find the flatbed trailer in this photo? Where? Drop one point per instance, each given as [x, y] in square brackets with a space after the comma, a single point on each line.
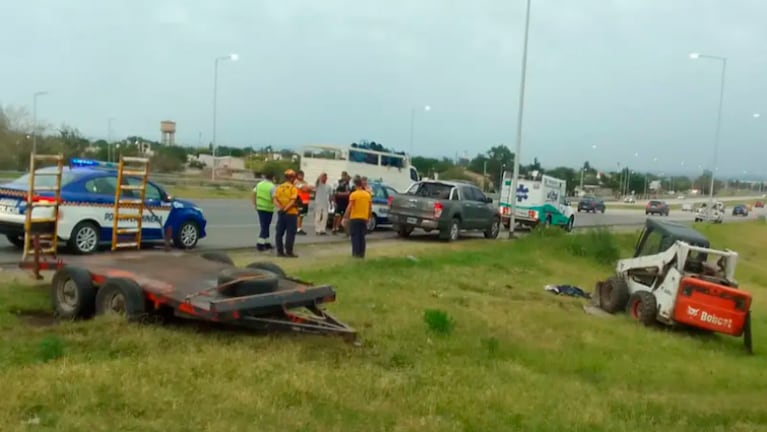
[188, 286]
[135, 283]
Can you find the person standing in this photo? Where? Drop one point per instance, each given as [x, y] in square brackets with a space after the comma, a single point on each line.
[321, 204]
[357, 214]
[263, 201]
[304, 190]
[286, 202]
[341, 198]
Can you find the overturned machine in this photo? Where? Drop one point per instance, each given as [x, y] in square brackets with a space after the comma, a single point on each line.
[675, 278]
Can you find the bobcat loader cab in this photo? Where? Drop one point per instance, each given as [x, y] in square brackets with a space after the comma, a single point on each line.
[675, 278]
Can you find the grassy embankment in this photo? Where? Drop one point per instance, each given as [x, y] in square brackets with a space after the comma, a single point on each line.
[461, 337]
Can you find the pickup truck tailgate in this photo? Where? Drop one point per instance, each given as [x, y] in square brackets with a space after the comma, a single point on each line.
[412, 206]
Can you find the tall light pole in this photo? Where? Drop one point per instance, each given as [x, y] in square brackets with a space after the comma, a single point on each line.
[426, 108]
[34, 118]
[723, 60]
[518, 148]
[761, 181]
[232, 57]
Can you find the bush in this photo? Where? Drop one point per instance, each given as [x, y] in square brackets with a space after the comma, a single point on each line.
[598, 245]
[438, 321]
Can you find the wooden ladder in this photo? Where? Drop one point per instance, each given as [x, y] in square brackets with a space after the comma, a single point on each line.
[45, 242]
[129, 167]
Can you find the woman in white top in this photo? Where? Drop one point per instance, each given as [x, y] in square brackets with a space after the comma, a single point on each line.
[322, 195]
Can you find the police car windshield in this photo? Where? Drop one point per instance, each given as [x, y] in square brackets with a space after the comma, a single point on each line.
[44, 181]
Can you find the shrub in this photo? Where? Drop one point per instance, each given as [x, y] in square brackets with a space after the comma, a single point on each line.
[598, 245]
[438, 321]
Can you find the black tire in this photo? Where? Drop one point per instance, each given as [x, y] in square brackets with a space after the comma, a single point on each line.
[219, 257]
[187, 236]
[259, 282]
[492, 231]
[570, 224]
[643, 307]
[85, 238]
[452, 232]
[372, 223]
[268, 266]
[17, 241]
[614, 295]
[73, 295]
[121, 296]
[404, 231]
[603, 210]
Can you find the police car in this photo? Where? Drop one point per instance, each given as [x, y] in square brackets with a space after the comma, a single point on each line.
[86, 212]
[382, 197]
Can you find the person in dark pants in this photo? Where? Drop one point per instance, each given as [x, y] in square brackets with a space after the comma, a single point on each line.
[285, 200]
[358, 212]
[263, 201]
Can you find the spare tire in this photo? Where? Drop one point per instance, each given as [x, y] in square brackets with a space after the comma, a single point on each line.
[255, 281]
[268, 266]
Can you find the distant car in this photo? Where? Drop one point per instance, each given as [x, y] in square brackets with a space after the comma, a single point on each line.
[630, 199]
[687, 207]
[680, 197]
[740, 210]
[759, 204]
[713, 215]
[591, 204]
[656, 207]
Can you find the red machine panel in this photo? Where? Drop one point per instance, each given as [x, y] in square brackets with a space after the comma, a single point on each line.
[711, 306]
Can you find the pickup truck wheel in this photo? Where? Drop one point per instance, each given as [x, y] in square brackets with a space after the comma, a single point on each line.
[492, 231]
[403, 231]
[452, 232]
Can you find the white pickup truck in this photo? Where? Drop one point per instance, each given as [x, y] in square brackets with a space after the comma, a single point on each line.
[715, 214]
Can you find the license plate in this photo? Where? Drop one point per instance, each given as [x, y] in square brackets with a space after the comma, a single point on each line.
[411, 220]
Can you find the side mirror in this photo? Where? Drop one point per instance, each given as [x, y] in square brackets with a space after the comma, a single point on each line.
[489, 200]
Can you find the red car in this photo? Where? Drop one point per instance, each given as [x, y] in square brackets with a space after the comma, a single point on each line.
[759, 204]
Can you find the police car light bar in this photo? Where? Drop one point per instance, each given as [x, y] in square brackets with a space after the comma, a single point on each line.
[92, 163]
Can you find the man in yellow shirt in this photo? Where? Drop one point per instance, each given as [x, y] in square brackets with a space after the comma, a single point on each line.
[358, 212]
[286, 203]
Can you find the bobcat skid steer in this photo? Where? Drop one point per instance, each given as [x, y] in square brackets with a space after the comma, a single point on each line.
[676, 279]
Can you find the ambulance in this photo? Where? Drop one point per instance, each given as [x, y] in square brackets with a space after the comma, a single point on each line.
[541, 199]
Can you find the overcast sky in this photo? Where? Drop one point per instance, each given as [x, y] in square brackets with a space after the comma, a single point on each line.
[610, 73]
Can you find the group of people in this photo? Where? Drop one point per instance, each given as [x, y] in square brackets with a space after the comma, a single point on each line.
[290, 200]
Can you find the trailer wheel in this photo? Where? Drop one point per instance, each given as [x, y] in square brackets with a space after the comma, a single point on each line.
[642, 307]
[258, 281]
[268, 266]
[121, 296]
[614, 294]
[218, 257]
[72, 293]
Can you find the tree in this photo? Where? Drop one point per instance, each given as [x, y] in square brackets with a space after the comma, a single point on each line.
[496, 160]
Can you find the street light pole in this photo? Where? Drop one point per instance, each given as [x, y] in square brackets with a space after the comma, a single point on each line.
[696, 56]
[232, 57]
[520, 111]
[412, 128]
[110, 151]
[34, 118]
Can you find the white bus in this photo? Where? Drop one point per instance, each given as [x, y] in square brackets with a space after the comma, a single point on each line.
[391, 169]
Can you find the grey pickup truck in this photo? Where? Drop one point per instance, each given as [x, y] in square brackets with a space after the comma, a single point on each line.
[444, 206]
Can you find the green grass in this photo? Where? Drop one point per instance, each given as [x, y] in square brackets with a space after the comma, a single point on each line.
[457, 337]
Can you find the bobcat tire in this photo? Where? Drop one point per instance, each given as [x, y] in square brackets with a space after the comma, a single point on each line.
[255, 281]
[643, 307]
[614, 295]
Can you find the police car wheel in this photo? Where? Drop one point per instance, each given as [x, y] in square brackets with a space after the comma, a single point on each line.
[187, 236]
[15, 240]
[85, 238]
[372, 223]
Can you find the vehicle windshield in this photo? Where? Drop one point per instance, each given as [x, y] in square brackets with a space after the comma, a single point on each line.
[431, 190]
[656, 203]
[42, 181]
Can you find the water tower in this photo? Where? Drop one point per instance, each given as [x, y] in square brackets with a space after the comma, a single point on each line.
[168, 130]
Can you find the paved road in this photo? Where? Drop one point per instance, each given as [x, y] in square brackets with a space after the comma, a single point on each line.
[233, 224]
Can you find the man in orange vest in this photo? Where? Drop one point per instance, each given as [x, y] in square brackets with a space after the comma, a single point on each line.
[304, 191]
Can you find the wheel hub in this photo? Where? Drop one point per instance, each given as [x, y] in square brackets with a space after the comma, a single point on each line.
[66, 295]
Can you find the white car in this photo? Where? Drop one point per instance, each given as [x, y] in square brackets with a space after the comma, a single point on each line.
[687, 207]
[713, 215]
[630, 200]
